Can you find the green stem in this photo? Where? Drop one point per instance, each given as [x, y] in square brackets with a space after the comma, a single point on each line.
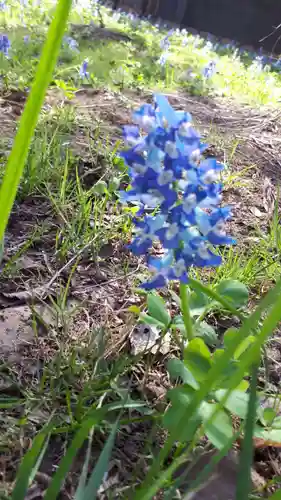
[185, 311]
[244, 483]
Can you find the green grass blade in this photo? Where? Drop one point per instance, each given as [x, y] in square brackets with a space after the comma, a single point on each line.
[26, 470]
[39, 460]
[66, 462]
[244, 482]
[31, 112]
[84, 473]
[91, 490]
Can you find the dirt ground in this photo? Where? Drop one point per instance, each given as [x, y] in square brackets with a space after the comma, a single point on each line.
[101, 292]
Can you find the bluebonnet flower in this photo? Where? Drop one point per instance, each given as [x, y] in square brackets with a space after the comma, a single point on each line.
[163, 58]
[209, 45]
[83, 69]
[209, 70]
[71, 43]
[5, 45]
[165, 43]
[177, 192]
[26, 38]
[277, 64]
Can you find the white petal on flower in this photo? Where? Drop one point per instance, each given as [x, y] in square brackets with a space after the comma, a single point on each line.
[148, 123]
[139, 169]
[187, 250]
[165, 177]
[156, 222]
[203, 251]
[182, 184]
[189, 203]
[210, 177]
[143, 237]
[184, 129]
[203, 221]
[219, 228]
[210, 201]
[192, 176]
[171, 149]
[195, 157]
[172, 231]
[179, 268]
[152, 199]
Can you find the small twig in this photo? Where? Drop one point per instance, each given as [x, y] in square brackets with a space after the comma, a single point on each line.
[272, 33]
[73, 259]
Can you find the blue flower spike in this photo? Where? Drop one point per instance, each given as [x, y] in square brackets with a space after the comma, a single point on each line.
[178, 193]
[5, 45]
[83, 73]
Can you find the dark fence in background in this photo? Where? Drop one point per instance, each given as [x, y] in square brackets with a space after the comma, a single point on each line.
[246, 21]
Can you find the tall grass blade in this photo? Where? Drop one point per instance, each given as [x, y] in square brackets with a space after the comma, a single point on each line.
[85, 470]
[244, 483]
[31, 112]
[29, 464]
[66, 462]
[95, 480]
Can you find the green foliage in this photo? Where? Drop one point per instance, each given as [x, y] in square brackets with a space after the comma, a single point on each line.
[29, 118]
[234, 291]
[134, 63]
[210, 375]
[157, 309]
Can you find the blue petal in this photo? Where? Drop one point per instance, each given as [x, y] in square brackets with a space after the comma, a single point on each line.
[183, 117]
[155, 223]
[166, 109]
[203, 220]
[170, 198]
[131, 157]
[129, 196]
[215, 239]
[145, 110]
[140, 248]
[161, 136]
[158, 282]
[212, 261]
[183, 278]
[168, 243]
[220, 214]
[178, 165]
[210, 164]
[161, 263]
[131, 131]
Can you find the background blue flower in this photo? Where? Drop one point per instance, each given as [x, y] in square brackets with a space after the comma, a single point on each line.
[5, 45]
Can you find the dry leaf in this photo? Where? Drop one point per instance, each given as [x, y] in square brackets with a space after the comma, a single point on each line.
[148, 338]
[256, 212]
[143, 338]
[269, 198]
